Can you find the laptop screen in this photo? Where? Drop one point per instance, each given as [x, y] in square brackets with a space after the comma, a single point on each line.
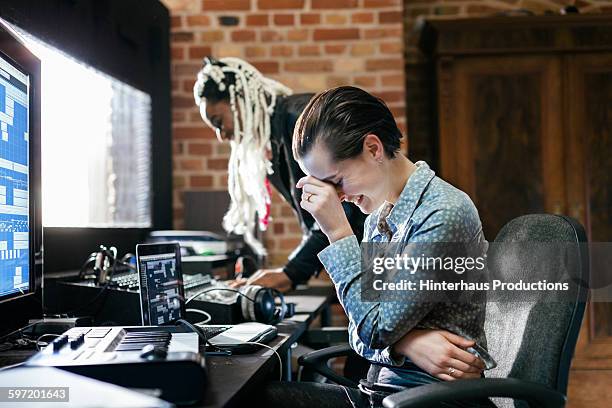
[162, 299]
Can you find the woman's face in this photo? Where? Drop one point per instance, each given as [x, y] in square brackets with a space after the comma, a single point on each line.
[219, 118]
[359, 180]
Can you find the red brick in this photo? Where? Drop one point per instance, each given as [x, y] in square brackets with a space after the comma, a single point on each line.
[198, 20]
[182, 102]
[283, 19]
[178, 116]
[185, 69]
[309, 50]
[216, 164]
[297, 35]
[310, 18]
[389, 17]
[212, 36]
[383, 33]
[221, 5]
[243, 35]
[203, 149]
[366, 81]
[393, 80]
[177, 53]
[381, 3]
[181, 36]
[391, 48]
[335, 49]
[359, 18]
[324, 34]
[398, 111]
[280, 4]
[200, 181]
[334, 20]
[257, 20]
[391, 96]
[271, 36]
[191, 164]
[385, 64]
[281, 51]
[199, 132]
[267, 67]
[199, 52]
[333, 4]
[254, 52]
[289, 243]
[279, 228]
[308, 66]
[176, 21]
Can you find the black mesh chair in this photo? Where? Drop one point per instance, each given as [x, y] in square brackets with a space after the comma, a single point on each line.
[532, 342]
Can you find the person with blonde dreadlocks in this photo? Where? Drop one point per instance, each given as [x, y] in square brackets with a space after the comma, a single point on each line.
[256, 115]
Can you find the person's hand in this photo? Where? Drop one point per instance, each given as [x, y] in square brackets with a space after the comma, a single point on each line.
[440, 353]
[268, 278]
[321, 200]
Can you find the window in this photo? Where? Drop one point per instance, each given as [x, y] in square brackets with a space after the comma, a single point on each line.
[96, 145]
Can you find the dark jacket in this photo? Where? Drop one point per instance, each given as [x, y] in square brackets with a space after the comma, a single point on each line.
[303, 262]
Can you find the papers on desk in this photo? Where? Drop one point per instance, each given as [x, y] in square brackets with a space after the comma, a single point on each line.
[83, 392]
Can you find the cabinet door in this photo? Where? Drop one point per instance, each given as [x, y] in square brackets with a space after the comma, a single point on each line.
[501, 138]
[589, 193]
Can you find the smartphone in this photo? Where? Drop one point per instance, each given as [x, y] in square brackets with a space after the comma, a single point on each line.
[481, 353]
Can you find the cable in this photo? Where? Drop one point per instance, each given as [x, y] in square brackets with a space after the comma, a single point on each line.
[8, 367]
[280, 361]
[213, 289]
[20, 330]
[348, 396]
[209, 317]
[43, 336]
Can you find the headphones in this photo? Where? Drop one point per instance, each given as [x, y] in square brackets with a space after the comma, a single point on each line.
[258, 304]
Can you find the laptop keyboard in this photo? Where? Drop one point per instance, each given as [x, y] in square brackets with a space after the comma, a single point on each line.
[211, 332]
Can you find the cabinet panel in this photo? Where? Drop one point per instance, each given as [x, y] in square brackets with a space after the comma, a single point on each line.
[590, 181]
[502, 143]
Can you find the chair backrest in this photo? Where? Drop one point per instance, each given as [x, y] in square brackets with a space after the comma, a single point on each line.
[535, 341]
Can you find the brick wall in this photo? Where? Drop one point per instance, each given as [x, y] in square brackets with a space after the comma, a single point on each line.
[309, 45]
[420, 102]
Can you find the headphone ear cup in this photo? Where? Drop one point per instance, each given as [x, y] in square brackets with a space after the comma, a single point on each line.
[246, 305]
[281, 311]
[265, 310]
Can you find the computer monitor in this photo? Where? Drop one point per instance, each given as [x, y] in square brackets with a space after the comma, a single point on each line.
[20, 215]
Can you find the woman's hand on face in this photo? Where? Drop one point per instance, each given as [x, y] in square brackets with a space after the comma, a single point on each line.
[321, 200]
[440, 353]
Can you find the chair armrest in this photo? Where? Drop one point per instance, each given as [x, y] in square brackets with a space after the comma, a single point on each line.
[317, 361]
[536, 395]
[326, 335]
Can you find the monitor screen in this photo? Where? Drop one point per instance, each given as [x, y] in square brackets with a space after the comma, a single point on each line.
[14, 180]
[21, 251]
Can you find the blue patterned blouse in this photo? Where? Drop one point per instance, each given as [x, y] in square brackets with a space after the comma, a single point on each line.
[428, 210]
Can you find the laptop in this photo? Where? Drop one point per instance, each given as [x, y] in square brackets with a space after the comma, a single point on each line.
[162, 299]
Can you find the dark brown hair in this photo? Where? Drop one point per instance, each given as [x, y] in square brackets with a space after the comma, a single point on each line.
[341, 118]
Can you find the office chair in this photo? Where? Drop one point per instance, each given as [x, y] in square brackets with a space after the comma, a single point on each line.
[533, 342]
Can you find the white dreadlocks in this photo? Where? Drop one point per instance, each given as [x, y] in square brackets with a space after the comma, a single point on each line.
[252, 101]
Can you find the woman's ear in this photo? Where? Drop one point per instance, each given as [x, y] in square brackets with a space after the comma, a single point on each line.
[373, 147]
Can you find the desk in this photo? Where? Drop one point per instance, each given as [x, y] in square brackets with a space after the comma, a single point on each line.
[232, 379]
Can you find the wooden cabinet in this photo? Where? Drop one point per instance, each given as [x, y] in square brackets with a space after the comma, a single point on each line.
[524, 119]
